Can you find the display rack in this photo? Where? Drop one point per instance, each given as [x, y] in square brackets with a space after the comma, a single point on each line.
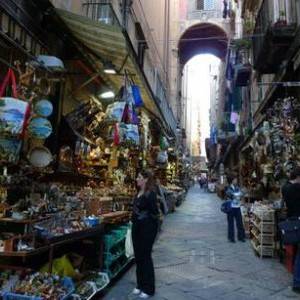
[263, 232]
[114, 258]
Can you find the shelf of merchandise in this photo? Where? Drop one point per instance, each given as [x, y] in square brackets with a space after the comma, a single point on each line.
[114, 257]
[263, 232]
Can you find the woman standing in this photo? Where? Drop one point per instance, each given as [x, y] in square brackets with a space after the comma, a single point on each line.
[144, 230]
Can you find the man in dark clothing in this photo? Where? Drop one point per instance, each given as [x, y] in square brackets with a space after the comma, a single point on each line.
[291, 197]
[291, 194]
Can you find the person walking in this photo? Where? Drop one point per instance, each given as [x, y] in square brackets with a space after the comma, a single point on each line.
[144, 230]
[233, 193]
[291, 197]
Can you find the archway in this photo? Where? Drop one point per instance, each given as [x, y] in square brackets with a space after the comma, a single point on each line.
[200, 39]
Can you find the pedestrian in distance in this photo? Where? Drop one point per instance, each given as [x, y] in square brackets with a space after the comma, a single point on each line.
[234, 215]
[145, 220]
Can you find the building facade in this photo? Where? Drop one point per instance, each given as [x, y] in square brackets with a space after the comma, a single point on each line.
[147, 25]
[263, 74]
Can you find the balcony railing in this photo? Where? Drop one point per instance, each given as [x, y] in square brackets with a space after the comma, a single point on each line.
[204, 15]
[276, 19]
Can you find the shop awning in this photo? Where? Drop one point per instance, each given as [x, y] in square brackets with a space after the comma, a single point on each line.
[105, 42]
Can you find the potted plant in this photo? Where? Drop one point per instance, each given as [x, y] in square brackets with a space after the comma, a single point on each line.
[281, 21]
[239, 44]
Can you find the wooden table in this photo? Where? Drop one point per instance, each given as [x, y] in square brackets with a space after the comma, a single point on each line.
[26, 222]
[59, 242]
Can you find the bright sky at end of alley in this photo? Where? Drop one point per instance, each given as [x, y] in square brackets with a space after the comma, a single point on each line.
[199, 95]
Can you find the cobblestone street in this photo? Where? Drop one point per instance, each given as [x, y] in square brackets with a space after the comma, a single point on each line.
[194, 260]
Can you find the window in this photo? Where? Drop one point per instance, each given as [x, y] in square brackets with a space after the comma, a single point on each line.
[205, 4]
[199, 4]
[141, 43]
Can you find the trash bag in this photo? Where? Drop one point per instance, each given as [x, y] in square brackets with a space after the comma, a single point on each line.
[61, 267]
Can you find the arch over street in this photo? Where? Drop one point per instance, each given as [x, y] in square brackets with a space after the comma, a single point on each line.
[202, 38]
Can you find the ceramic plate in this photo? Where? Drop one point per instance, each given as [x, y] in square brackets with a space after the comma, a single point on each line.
[43, 108]
[40, 128]
[40, 157]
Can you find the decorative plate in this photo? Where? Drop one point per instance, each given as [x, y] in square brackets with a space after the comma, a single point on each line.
[40, 157]
[43, 108]
[40, 128]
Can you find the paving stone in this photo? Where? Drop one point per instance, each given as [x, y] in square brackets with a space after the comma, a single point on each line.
[193, 260]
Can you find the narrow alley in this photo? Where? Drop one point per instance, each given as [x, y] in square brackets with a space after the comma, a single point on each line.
[194, 260]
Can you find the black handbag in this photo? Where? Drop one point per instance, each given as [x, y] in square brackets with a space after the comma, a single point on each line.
[290, 231]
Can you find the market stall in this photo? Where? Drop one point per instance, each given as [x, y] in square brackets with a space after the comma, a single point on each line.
[68, 169]
[266, 162]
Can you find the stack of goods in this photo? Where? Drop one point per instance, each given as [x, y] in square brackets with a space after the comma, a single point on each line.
[90, 286]
[59, 225]
[10, 242]
[7, 280]
[263, 230]
[41, 286]
[274, 149]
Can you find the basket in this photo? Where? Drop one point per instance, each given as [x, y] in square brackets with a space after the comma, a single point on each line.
[66, 282]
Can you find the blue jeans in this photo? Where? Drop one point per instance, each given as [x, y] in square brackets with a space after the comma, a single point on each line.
[296, 283]
[235, 214]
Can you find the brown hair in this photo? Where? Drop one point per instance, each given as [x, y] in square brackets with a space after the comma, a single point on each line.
[151, 182]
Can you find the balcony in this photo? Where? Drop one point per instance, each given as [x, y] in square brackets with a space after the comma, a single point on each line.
[204, 15]
[242, 74]
[275, 29]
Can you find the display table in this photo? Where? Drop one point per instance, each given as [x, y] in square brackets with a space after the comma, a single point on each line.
[26, 222]
[52, 244]
[115, 217]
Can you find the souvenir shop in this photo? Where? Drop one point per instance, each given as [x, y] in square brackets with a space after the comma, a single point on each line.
[265, 164]
[69, 154]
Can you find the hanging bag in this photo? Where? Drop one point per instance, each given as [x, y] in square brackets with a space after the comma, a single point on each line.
[226, 206]
[134, 91]
[14, 112]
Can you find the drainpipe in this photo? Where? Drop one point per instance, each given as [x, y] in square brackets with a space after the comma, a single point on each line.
[126, 5]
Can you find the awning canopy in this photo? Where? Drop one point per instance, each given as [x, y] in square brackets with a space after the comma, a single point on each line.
[104, 43]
